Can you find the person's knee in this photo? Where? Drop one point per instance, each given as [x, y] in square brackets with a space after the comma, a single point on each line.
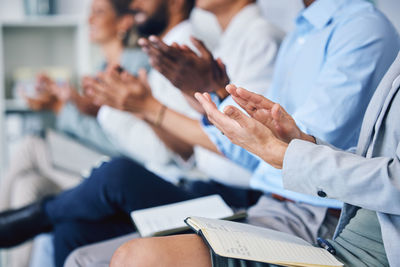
[124, 174]
[130, 254]
[180, 250]
[141, 252]
[116, 172]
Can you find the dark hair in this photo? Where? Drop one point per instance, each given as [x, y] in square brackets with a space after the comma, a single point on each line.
[121, 7]
[189, 6]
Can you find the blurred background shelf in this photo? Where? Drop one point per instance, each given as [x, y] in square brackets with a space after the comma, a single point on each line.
[30, 45]
[43, 21]
[16, 106]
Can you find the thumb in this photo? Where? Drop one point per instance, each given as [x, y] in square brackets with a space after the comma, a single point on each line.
[204, 52]
[235, 114]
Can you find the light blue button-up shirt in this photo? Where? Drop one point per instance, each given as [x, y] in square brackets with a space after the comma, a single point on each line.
[326, 72]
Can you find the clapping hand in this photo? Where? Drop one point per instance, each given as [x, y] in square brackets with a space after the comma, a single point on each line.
[270, 114]
[245, 131]
[184, 68]
[266, 132]
[49, 96]
[122, 91]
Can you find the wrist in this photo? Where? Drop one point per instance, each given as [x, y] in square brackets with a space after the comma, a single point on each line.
[151, 111]
[160, 116]
[306, 137]
[274, 152]
[222, 93]
[58, 106]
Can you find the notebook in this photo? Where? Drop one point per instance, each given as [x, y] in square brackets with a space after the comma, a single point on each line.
[243, 241]
[170, 219]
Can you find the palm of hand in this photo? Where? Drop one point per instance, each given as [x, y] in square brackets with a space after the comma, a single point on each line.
[253, 136]
[279, 122]
[133, 94]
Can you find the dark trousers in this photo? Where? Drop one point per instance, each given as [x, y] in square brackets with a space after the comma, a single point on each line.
[99, 208]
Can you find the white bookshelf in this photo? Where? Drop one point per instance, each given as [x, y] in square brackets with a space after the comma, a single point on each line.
[2, 108]
[36, 43]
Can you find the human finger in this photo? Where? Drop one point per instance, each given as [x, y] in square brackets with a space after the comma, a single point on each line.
[217, 118]
[237, 115]
[158, 43]
[249, 107]
[204, 52]
[257, 100]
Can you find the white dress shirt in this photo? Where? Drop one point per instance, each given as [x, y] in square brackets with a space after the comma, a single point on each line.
[134, 137]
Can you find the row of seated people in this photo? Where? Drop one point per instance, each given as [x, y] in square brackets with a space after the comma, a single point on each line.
[324, 74]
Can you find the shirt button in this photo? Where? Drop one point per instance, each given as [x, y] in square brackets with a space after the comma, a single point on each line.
[321, 193]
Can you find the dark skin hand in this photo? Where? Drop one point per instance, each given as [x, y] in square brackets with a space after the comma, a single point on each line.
[185, 69]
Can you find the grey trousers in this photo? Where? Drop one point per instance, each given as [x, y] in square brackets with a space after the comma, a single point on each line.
[305, 221]
[30, 176]
[97, 255]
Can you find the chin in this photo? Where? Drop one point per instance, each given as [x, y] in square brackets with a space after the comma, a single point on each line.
[97, 39]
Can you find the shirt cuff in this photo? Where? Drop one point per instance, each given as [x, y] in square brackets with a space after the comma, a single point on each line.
[298, 174]
[293, 164]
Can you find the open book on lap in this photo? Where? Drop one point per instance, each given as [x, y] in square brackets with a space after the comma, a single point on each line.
[247, 242]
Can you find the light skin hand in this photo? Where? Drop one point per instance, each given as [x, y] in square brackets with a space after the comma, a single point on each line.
[44, 101]
[121, 91]
[133, 94]
[270, 114]
[47, 95]
[245, 131]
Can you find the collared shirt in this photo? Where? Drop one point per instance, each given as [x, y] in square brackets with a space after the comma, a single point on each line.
[86, 128]
[134, 137]
[248, 47]
[326, 72]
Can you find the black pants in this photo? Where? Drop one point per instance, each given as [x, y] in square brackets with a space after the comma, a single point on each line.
[99, 208]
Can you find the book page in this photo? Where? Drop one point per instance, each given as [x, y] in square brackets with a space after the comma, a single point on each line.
[152, 220]
[235, 240]
[234, 227]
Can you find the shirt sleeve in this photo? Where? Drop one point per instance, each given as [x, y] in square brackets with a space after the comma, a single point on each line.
[133, 137]
[370, 183]
[85, 128]
[255, 66]
[356, 60]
